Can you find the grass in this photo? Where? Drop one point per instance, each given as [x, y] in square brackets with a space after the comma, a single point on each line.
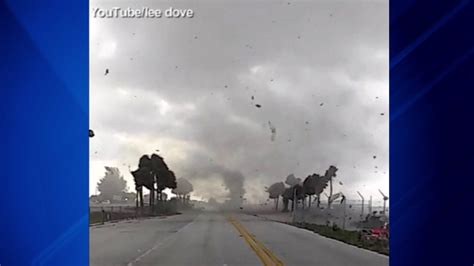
[99, 217]
[350, 237]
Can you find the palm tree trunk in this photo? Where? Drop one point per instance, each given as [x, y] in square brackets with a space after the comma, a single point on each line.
[330, 193]
[141, 197]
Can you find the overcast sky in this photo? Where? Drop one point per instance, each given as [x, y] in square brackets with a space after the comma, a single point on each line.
[319, 71]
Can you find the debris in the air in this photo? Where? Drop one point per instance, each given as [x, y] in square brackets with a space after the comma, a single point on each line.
[271, 80]
[382, 114]
[377, 97]
[258, 105]
[225, 86]
[195, 37]
[253, 98]
[91, 133]
[157, 150]
[307, 123]
[273, 130]
[321, 104]
[106, 72]
[375, 157]
[340, 183]
[299, 37]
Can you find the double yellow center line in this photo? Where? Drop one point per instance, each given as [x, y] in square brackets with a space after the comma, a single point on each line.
[265, 255]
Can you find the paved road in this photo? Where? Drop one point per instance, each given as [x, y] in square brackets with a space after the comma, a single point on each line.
[219, 239]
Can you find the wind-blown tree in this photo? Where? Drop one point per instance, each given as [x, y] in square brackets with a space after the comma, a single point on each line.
[153, 170]
[329, 175]
[309, 185]
[162, 175]
[183, 188]
[112, 184]
[289, 194]
[166, 180]
[275, 191]
[292, 180]
[143, 177]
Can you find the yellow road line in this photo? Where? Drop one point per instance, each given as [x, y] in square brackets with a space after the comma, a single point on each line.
[264, 254]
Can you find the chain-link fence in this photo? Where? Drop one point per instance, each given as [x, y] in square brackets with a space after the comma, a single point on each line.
[348, 214]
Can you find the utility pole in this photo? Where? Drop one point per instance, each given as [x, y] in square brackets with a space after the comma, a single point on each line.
[344, 218]
[370, 205]
[362, 212]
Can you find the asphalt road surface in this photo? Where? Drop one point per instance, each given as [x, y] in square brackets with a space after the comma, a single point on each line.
[224, 239]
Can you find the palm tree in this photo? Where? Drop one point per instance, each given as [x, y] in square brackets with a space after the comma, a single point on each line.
[330, 173]
[164, 177]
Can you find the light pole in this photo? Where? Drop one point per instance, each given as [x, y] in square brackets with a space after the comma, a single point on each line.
[362, 212]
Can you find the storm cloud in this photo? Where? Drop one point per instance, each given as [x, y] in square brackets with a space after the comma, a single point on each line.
[189, 88]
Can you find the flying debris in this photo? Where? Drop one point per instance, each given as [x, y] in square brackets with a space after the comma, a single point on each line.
[106, 72]
[340, 183]
[225, 86]
[91, 133]
[321, 104]
[307, 123]
[382, 114]
[258, 105]
[195, 37]
[252, 98]
[375, 157]
[273, 130]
